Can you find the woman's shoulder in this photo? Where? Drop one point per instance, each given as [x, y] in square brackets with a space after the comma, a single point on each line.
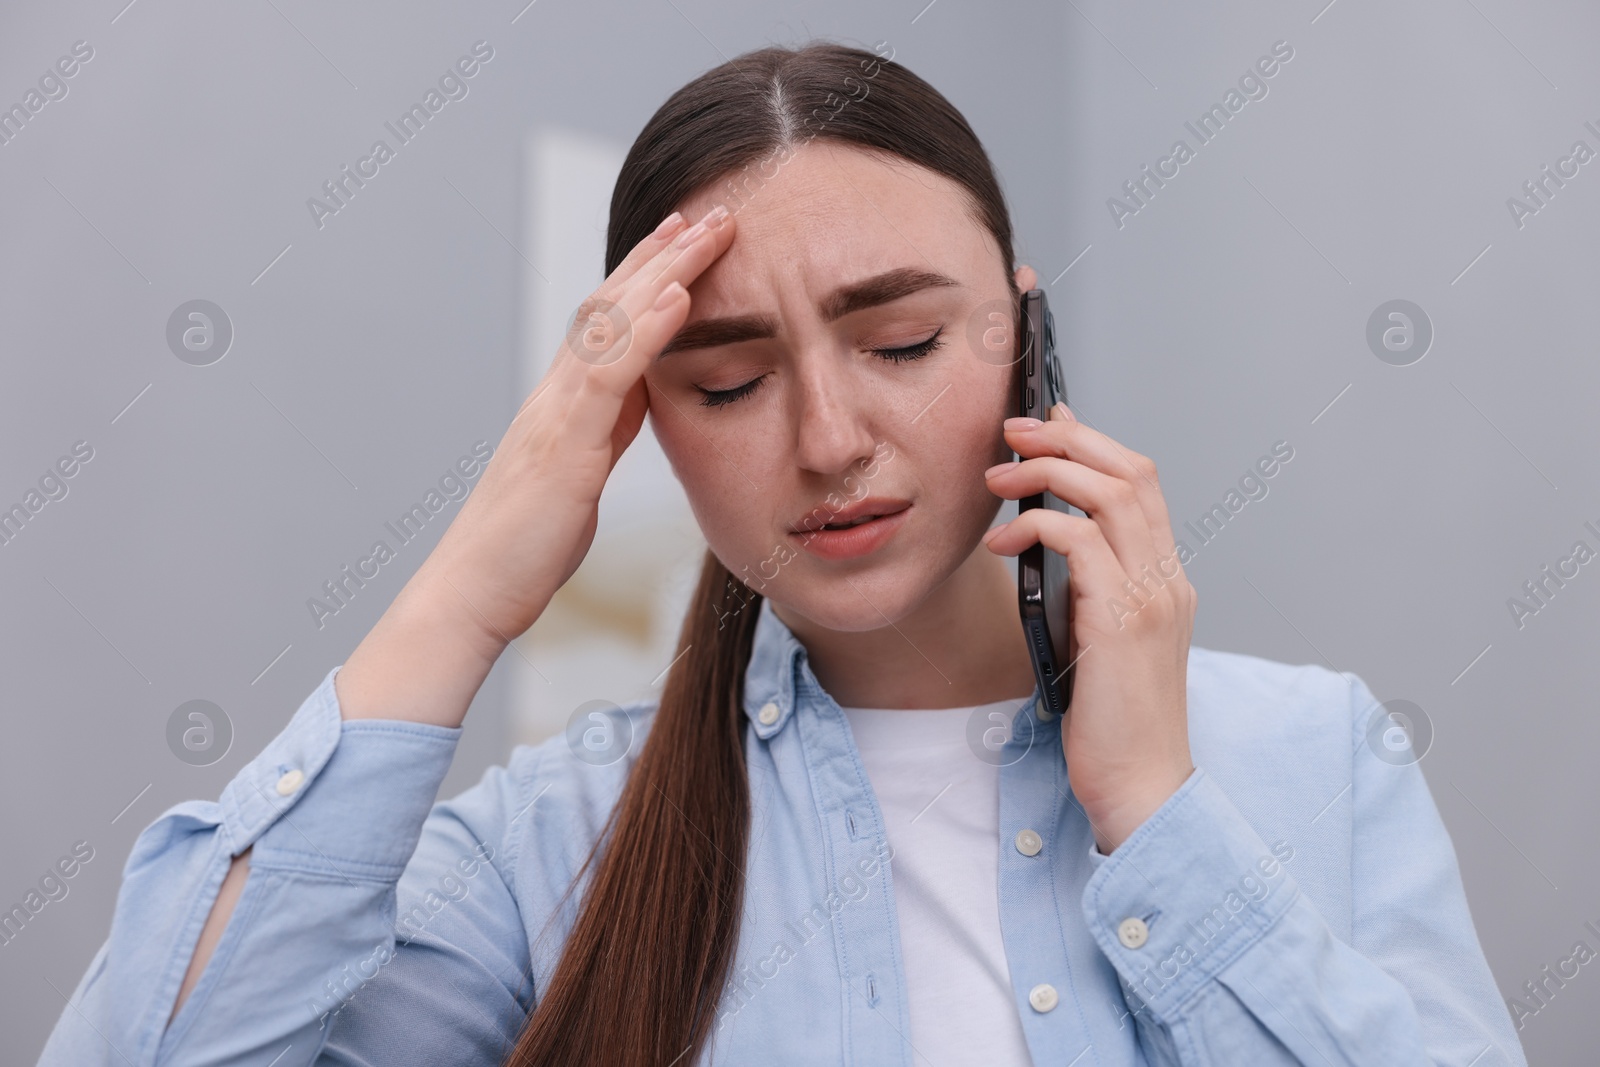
[1244, 709]
[550, 799]
[587, 762]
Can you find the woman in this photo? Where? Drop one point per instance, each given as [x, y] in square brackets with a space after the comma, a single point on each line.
[845, 833]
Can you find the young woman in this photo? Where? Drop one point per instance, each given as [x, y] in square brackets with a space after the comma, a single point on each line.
[847, 832]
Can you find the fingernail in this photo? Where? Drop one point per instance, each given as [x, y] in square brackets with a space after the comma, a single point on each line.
[999, 467]
[1063, 412]
[687, 237]
[715, 216]
[1023, 423]
[993, 533]
[668, 224]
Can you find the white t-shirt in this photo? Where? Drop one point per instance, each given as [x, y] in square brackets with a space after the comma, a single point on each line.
[941, 809]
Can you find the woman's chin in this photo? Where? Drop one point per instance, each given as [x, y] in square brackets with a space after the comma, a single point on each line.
[851, 604]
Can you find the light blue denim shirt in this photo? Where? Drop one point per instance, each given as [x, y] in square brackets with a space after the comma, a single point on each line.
[1297, 900]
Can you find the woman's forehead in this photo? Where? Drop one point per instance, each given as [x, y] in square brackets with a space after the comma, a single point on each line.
[828, 189]
[834, 214]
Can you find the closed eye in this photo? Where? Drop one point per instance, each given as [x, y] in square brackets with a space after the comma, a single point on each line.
[713, 398]
[910, 352]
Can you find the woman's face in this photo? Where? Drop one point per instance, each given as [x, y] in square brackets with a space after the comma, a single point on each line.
[800, 409]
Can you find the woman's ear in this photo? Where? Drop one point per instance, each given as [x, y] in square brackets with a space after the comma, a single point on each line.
[1026, 278]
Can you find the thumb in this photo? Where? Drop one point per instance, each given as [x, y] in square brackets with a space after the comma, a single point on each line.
[630, 419]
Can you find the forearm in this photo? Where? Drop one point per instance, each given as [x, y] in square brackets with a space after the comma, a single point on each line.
[423, 661]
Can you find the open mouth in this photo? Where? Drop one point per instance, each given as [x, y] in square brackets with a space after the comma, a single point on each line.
[852, 538]
[858, 513]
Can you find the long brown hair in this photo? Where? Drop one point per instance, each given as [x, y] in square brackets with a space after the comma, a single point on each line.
[641, 973]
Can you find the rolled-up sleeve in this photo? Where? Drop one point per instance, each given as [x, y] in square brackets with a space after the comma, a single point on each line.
[1223, 960]
[332, 811]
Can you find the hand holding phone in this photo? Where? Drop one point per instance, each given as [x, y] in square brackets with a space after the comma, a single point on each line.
[1110, 641]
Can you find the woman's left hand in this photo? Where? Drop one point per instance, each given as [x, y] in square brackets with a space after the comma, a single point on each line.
[1130, 611]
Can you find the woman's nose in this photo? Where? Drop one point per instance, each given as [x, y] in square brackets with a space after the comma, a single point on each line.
[834, 421]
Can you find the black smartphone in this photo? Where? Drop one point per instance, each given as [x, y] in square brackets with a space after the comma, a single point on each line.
[1042, 577]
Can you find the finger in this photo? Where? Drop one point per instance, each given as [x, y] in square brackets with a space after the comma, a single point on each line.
[601, 321]
[618, 331]
[683, 260]
[1111, 502]
[681, 257]
[1096, 577]
[629, 420]
[646, 250]
[592, 411]
[612, 342]
[625, 328]
[1075, 440]
[1096, 572]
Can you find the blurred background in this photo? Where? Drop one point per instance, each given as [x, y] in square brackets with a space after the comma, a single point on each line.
[1381, 256]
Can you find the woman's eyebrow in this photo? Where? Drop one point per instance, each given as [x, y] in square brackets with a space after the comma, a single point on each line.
[879, 289]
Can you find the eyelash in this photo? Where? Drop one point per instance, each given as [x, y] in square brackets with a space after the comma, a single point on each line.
[713, 398]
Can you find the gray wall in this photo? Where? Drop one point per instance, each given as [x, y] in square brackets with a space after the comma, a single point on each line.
[1228, 313]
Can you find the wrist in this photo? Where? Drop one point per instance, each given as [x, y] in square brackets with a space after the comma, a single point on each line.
[422, 662]
[1115, 818]
[435, 603]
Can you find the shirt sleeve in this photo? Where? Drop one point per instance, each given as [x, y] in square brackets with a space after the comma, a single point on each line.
[458, 986]
[1223, 960]
[333, 811]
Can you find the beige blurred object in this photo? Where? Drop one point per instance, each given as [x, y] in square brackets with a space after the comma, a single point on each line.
[617, 590]
[611, 631]
[601, 596]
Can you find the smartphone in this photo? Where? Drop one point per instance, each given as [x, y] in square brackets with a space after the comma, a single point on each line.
[1042, 577]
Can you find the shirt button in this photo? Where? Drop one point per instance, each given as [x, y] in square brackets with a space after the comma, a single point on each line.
[1042, 997]
[1029, 843]
[768, 714]
[290, 782]
[1133, 933]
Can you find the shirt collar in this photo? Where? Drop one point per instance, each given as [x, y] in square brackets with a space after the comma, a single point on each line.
[776, 656]
[779, 667]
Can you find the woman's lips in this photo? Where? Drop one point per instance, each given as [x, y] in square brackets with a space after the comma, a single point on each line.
[854, 541]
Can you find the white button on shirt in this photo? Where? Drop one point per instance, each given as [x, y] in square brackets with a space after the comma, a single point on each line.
[1042, 997]
[941, 809]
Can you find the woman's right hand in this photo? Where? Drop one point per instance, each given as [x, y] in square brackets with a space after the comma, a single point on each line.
[528, 524]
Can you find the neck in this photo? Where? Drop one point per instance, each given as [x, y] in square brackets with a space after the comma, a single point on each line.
[962, 646]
